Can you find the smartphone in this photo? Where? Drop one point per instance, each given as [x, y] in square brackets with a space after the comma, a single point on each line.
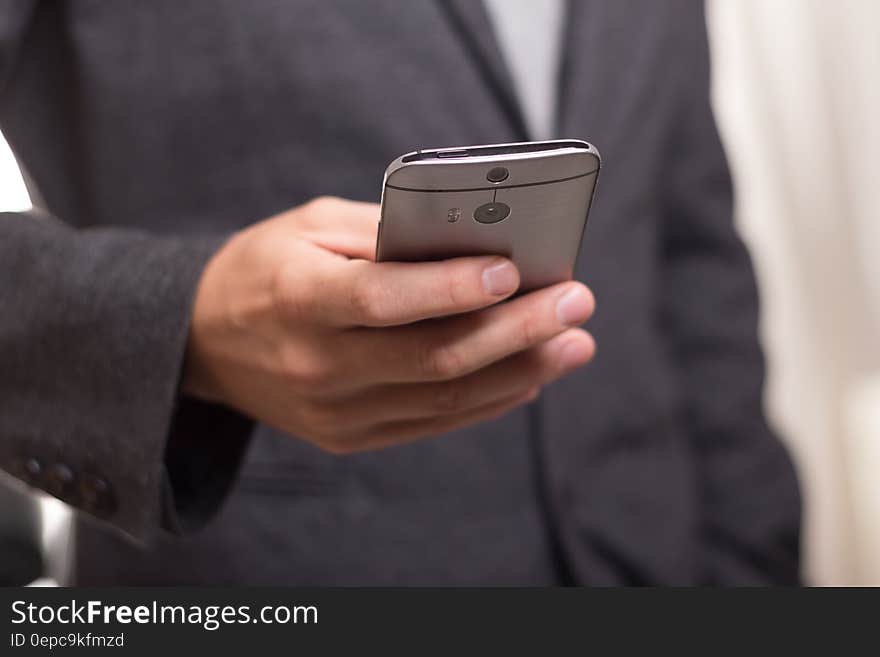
[527, 201]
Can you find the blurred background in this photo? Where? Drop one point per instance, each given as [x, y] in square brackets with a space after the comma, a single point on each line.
[797, 98]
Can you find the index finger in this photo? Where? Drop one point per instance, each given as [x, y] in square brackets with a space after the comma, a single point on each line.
[342, 226]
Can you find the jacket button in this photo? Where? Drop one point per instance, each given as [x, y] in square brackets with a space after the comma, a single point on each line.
[28, 469]
[33, 468]
[97, 495]
[61, 482]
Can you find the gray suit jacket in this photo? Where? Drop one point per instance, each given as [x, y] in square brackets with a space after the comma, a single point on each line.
[152, 130]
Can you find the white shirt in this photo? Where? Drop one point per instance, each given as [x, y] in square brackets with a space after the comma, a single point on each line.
[529, 34]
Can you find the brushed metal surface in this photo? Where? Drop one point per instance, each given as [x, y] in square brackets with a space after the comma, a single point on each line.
[549, 194]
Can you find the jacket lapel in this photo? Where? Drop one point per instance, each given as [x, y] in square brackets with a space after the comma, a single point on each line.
[471, 24]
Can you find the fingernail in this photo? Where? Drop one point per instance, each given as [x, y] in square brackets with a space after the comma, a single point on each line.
[574, 354]
[500, 278]
[575, 306]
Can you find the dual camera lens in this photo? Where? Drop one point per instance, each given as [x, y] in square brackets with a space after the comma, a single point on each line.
[498, 174]
[492, 213]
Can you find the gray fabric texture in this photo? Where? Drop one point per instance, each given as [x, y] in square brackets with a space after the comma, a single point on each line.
[155, 129]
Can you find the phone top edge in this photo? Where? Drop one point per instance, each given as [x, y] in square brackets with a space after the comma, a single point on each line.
[511, 148]
[432, 156]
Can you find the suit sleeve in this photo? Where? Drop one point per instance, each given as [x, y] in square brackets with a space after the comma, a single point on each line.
[93, 330]
[92, 342]
[750, 504]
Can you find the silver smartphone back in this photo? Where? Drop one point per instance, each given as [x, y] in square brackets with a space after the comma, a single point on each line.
[527, 201]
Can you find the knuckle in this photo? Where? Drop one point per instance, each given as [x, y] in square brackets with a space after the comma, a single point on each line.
[323, 203]
[456, 288]
[323, 431]
[288, 364]
[529, 367]
[529, 331]
[305, 373]
[289, 297]
[366, 301]
[331, 429]
[500, 412]
[451, 398]
[342, 443]
[316, 210]
[318, 422]
[441, 362]
[315, 375]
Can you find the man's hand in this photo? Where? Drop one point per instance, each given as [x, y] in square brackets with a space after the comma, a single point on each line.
[296, 326]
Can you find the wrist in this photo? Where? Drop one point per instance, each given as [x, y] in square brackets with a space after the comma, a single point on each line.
[197, 379]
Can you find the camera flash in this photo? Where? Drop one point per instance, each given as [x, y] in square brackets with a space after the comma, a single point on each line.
[453, 215]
